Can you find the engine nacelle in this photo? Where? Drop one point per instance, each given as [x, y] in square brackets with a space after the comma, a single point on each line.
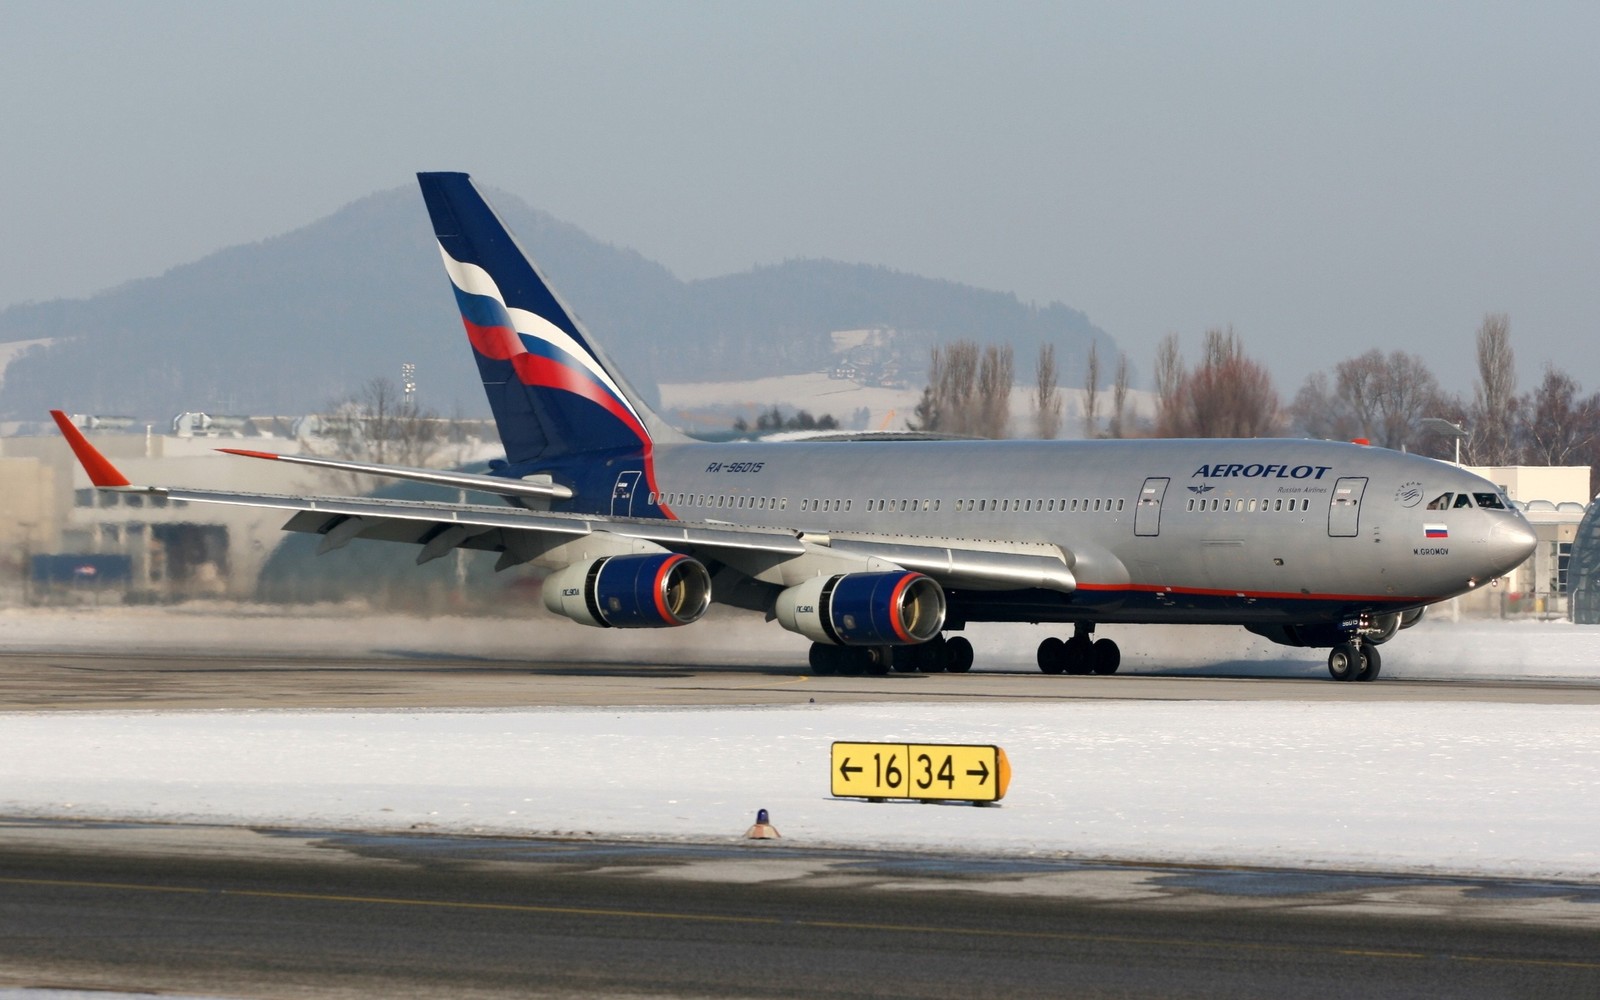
[864, 609]
[655, 590]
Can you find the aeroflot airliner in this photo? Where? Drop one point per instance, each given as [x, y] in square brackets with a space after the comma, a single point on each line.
[877, 550]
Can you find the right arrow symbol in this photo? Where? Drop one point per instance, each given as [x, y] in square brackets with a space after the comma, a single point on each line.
[846, 770]
[982, 772]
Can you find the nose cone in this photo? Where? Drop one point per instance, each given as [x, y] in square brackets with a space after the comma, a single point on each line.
[1511, 542]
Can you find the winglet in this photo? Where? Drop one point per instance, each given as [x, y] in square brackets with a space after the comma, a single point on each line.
[101, 471]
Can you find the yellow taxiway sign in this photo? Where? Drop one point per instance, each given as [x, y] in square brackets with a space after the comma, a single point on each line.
[965, 772]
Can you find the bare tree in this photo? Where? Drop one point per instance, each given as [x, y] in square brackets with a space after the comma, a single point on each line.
[1381, 398]
[959, 398]
[383, 426]
[1119, 397]
[1559, 426]
[1494, 417]
[1170, 375]
[995, 378]
[1091, 392]
[1047, 395]
[1227, 395]
[1319, 412]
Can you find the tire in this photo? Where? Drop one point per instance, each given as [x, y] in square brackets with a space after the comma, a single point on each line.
[876, 660]
[1052, 655]
[1344, 661]
[931, 657]
[1104, 657]
[1078, 650]
[1371, 665]
[957, 654]
[910, 659]
[824, 662]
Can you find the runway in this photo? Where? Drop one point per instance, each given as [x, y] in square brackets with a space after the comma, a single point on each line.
[245, 913]
[271, 912]
[42, 680]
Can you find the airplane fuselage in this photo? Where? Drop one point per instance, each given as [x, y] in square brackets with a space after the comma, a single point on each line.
[1252, 531]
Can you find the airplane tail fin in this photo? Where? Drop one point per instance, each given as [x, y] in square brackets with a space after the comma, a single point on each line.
[551, 388]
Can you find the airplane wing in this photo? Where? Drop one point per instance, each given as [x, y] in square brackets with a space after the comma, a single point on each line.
[440, 526]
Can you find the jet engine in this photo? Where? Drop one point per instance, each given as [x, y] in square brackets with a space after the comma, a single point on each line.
[864, 609]
[655, 590]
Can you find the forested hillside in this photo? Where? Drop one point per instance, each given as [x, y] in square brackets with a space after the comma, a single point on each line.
[289, 324]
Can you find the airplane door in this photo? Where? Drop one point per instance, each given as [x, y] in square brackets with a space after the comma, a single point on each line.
[1147, 512]
[1344, 513]
[622, 494]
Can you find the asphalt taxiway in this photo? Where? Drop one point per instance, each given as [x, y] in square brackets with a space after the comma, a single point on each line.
[285, 913]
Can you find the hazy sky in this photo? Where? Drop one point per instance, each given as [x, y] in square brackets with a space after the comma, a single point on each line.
[1326, 178]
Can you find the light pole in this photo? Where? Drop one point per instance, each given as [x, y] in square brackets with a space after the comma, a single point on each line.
[1440, 425]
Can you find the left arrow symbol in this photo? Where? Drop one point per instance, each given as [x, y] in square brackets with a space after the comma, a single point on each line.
[846, 770]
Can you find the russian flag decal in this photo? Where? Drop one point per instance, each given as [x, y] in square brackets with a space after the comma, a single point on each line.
[1436, 530]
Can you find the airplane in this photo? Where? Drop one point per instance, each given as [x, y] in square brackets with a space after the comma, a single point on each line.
[881, 551]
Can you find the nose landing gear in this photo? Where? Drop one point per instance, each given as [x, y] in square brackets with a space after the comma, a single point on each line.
[1355, 660]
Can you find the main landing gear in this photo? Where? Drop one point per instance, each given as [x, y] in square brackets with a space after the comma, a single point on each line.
[1355, 660]
[1079, 654]
[936, 656]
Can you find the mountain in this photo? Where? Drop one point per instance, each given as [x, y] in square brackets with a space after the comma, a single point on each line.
[294, 323]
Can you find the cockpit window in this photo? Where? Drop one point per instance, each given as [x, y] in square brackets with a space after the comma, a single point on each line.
[1440, 502]
[1489, 501]
[1464, 500]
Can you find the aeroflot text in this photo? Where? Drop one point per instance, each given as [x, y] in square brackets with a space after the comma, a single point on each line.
[1221, 471]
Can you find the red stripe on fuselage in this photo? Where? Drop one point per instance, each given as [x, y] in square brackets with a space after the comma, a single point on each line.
[1156, 588]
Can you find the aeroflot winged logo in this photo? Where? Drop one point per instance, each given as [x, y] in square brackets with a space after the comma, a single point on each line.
[1255, 470]
[541, 353]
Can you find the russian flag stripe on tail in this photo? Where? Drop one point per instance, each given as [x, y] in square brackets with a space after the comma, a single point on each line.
[551, 390]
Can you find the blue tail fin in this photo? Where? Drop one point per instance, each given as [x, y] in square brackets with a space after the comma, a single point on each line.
[551, 389]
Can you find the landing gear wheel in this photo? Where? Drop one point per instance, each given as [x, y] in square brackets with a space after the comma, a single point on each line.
[910, 659]
[932, 656]
[1344, 661]
[1076, 654]
[1052, 656]
[1372, 663]
[1104, 657]
[876, 660]
[824, 661]
[957, 654]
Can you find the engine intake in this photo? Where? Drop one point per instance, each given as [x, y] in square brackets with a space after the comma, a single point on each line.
[864, 609]
[656, 590]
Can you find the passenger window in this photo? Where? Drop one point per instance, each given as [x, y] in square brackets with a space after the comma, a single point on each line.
[1463, 501]
[1489, 501]
[1277, 504]
[1440, 502]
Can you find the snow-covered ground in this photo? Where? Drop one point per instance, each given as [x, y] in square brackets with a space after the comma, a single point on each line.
[1417, 786]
